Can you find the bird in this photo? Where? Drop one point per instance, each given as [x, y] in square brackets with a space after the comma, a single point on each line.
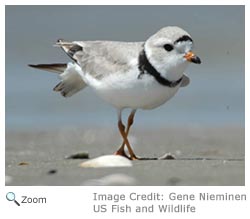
[134, 75]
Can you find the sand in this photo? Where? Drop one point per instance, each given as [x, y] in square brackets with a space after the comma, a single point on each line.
[204, 156]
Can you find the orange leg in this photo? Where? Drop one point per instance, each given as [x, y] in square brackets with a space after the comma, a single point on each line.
[124, 134]
[121, 151]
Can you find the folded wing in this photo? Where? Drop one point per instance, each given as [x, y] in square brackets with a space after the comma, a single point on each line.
[102, 58]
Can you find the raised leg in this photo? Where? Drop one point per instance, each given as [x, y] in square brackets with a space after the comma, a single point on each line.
[124, 135]
[121, 151]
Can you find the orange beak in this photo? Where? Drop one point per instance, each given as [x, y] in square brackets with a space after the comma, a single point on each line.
[191, 57]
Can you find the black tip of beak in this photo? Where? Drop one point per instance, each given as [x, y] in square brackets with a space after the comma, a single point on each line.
[196, 60]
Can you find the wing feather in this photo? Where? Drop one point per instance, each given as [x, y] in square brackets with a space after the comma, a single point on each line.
[185, 81]
[102, 58]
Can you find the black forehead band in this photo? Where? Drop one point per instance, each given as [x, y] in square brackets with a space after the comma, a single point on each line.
[183, 38]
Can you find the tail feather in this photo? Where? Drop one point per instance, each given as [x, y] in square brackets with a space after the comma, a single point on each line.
[62, 88]
[59, 87]
[71, 77]
[56, 67]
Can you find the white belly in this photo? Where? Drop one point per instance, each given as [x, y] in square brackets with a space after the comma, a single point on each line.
[127, 91]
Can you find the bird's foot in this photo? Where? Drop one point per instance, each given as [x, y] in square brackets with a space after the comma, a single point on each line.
[122, 153]
[134, 158]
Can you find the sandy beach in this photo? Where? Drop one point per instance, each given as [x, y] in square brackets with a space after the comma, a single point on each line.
[204, 156]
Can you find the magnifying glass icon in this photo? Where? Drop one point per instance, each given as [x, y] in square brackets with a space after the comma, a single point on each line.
[10, 196]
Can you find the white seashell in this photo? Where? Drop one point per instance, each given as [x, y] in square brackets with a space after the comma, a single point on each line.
[107, 161]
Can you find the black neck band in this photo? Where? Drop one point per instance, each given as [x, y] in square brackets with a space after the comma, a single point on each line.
[146, 67]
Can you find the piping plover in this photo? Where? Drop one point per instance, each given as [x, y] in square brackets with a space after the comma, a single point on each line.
[135, 75]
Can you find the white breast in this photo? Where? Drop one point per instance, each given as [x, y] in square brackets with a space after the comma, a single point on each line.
[127, 91]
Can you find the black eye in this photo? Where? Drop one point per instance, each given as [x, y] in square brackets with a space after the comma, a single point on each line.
[168, 47]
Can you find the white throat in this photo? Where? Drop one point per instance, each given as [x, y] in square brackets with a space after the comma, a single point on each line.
[172, 69]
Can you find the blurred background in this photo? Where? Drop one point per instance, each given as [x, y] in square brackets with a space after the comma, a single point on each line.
[215, 96]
